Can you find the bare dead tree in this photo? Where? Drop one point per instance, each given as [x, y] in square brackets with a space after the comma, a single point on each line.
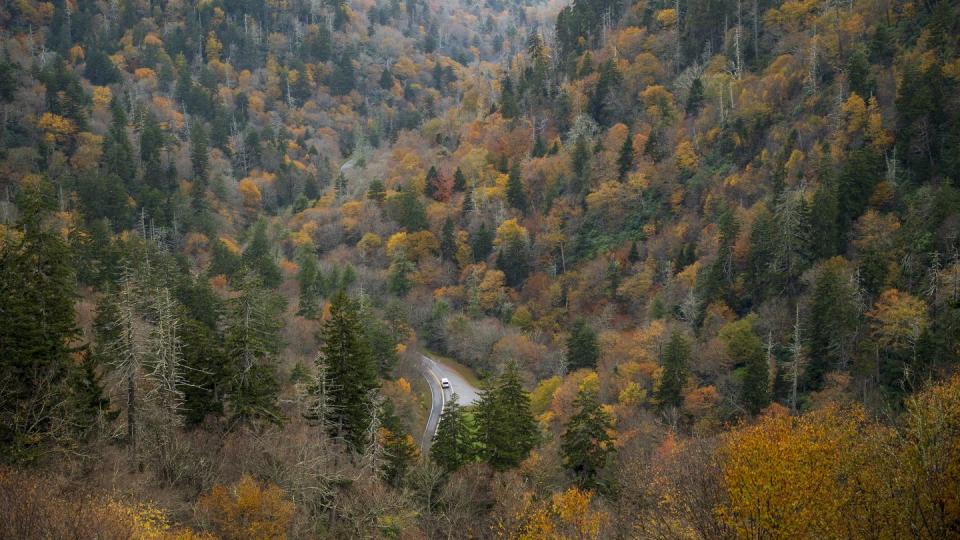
[165, 370]
[129, 348]
[374, 453]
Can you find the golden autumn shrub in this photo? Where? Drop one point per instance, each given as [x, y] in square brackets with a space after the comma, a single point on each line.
[247, 510]
[567, 515]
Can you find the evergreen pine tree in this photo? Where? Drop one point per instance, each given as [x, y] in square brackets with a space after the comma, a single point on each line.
[198, 153]
[351, 371]
[507, 430]
[760, 257]
[670, 390]
[718, 279]
[430, 183]
[695, 97]
[586, 443]
[448, 241]
[823, 218]
[481, 244]
[377, 192]
[37, 324]
[508, 99]
[539, 147]
[832, 321]
[311, 188]
[625, 158]
[599, 104]
[581, 165]
[745, 348]
[407, 210]
[793, 250]
[307, 277]
[582, 348]
[453, 445]
[459, 180]
[513, 261]
[99, 69]
[634, 255]
[117, 157]
[386, 79]
[400, 452]
[86, 401]
[222, 260]
[516, 195]
[252, 343]
[205, 377]
[755, 393]
[343, 78]
[258, 257]
[398, 276]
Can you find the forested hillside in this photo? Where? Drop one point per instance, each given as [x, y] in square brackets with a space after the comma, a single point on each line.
[703, 256]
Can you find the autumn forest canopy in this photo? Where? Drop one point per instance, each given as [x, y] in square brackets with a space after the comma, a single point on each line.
[700, 257]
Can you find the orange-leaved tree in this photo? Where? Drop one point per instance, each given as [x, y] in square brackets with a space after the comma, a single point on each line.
[247, 510]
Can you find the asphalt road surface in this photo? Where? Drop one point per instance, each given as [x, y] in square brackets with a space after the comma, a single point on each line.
[433, 371]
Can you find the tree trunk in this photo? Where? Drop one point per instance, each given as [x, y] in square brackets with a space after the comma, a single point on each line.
[131, 412]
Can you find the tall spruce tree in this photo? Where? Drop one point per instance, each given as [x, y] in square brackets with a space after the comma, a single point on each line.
[448, 241]
[399, 450]
[252, 343]
[454, 444]
[670, 390]
[308, 276]
[513, 261]
[586, 442]
[86, 401]
[582, 348]
[695, 97]
[746, 350]
[481, 243]
[117, 157]
[832, 321]
[459, 180]
[199, 158]
[516, 195]
[430, 182]
[37, 325]
[718, 279]
[580, 160]
[205, 374]
[508, 99]
[258, 257]
[625, 158]
[507, 430]
[351, 371]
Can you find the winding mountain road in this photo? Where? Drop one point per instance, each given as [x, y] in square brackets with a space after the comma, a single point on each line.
[433, 371]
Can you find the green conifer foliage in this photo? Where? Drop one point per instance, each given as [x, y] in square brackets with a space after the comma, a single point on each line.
[516, 194]
[454, 444]
[745, 349]
[582, 348]
[37, 325]
[675, 356]
[586, 442]
[252, 343]
[351, 371]
[507, 430]
[625, 158]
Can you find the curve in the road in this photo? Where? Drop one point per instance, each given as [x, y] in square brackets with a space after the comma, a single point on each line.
[433, 371]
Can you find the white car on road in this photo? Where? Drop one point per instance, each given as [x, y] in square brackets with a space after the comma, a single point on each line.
[445, 382]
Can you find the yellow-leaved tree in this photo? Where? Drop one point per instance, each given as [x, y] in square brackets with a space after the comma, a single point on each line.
[568, 514]
[819, 475]
[247, 510]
